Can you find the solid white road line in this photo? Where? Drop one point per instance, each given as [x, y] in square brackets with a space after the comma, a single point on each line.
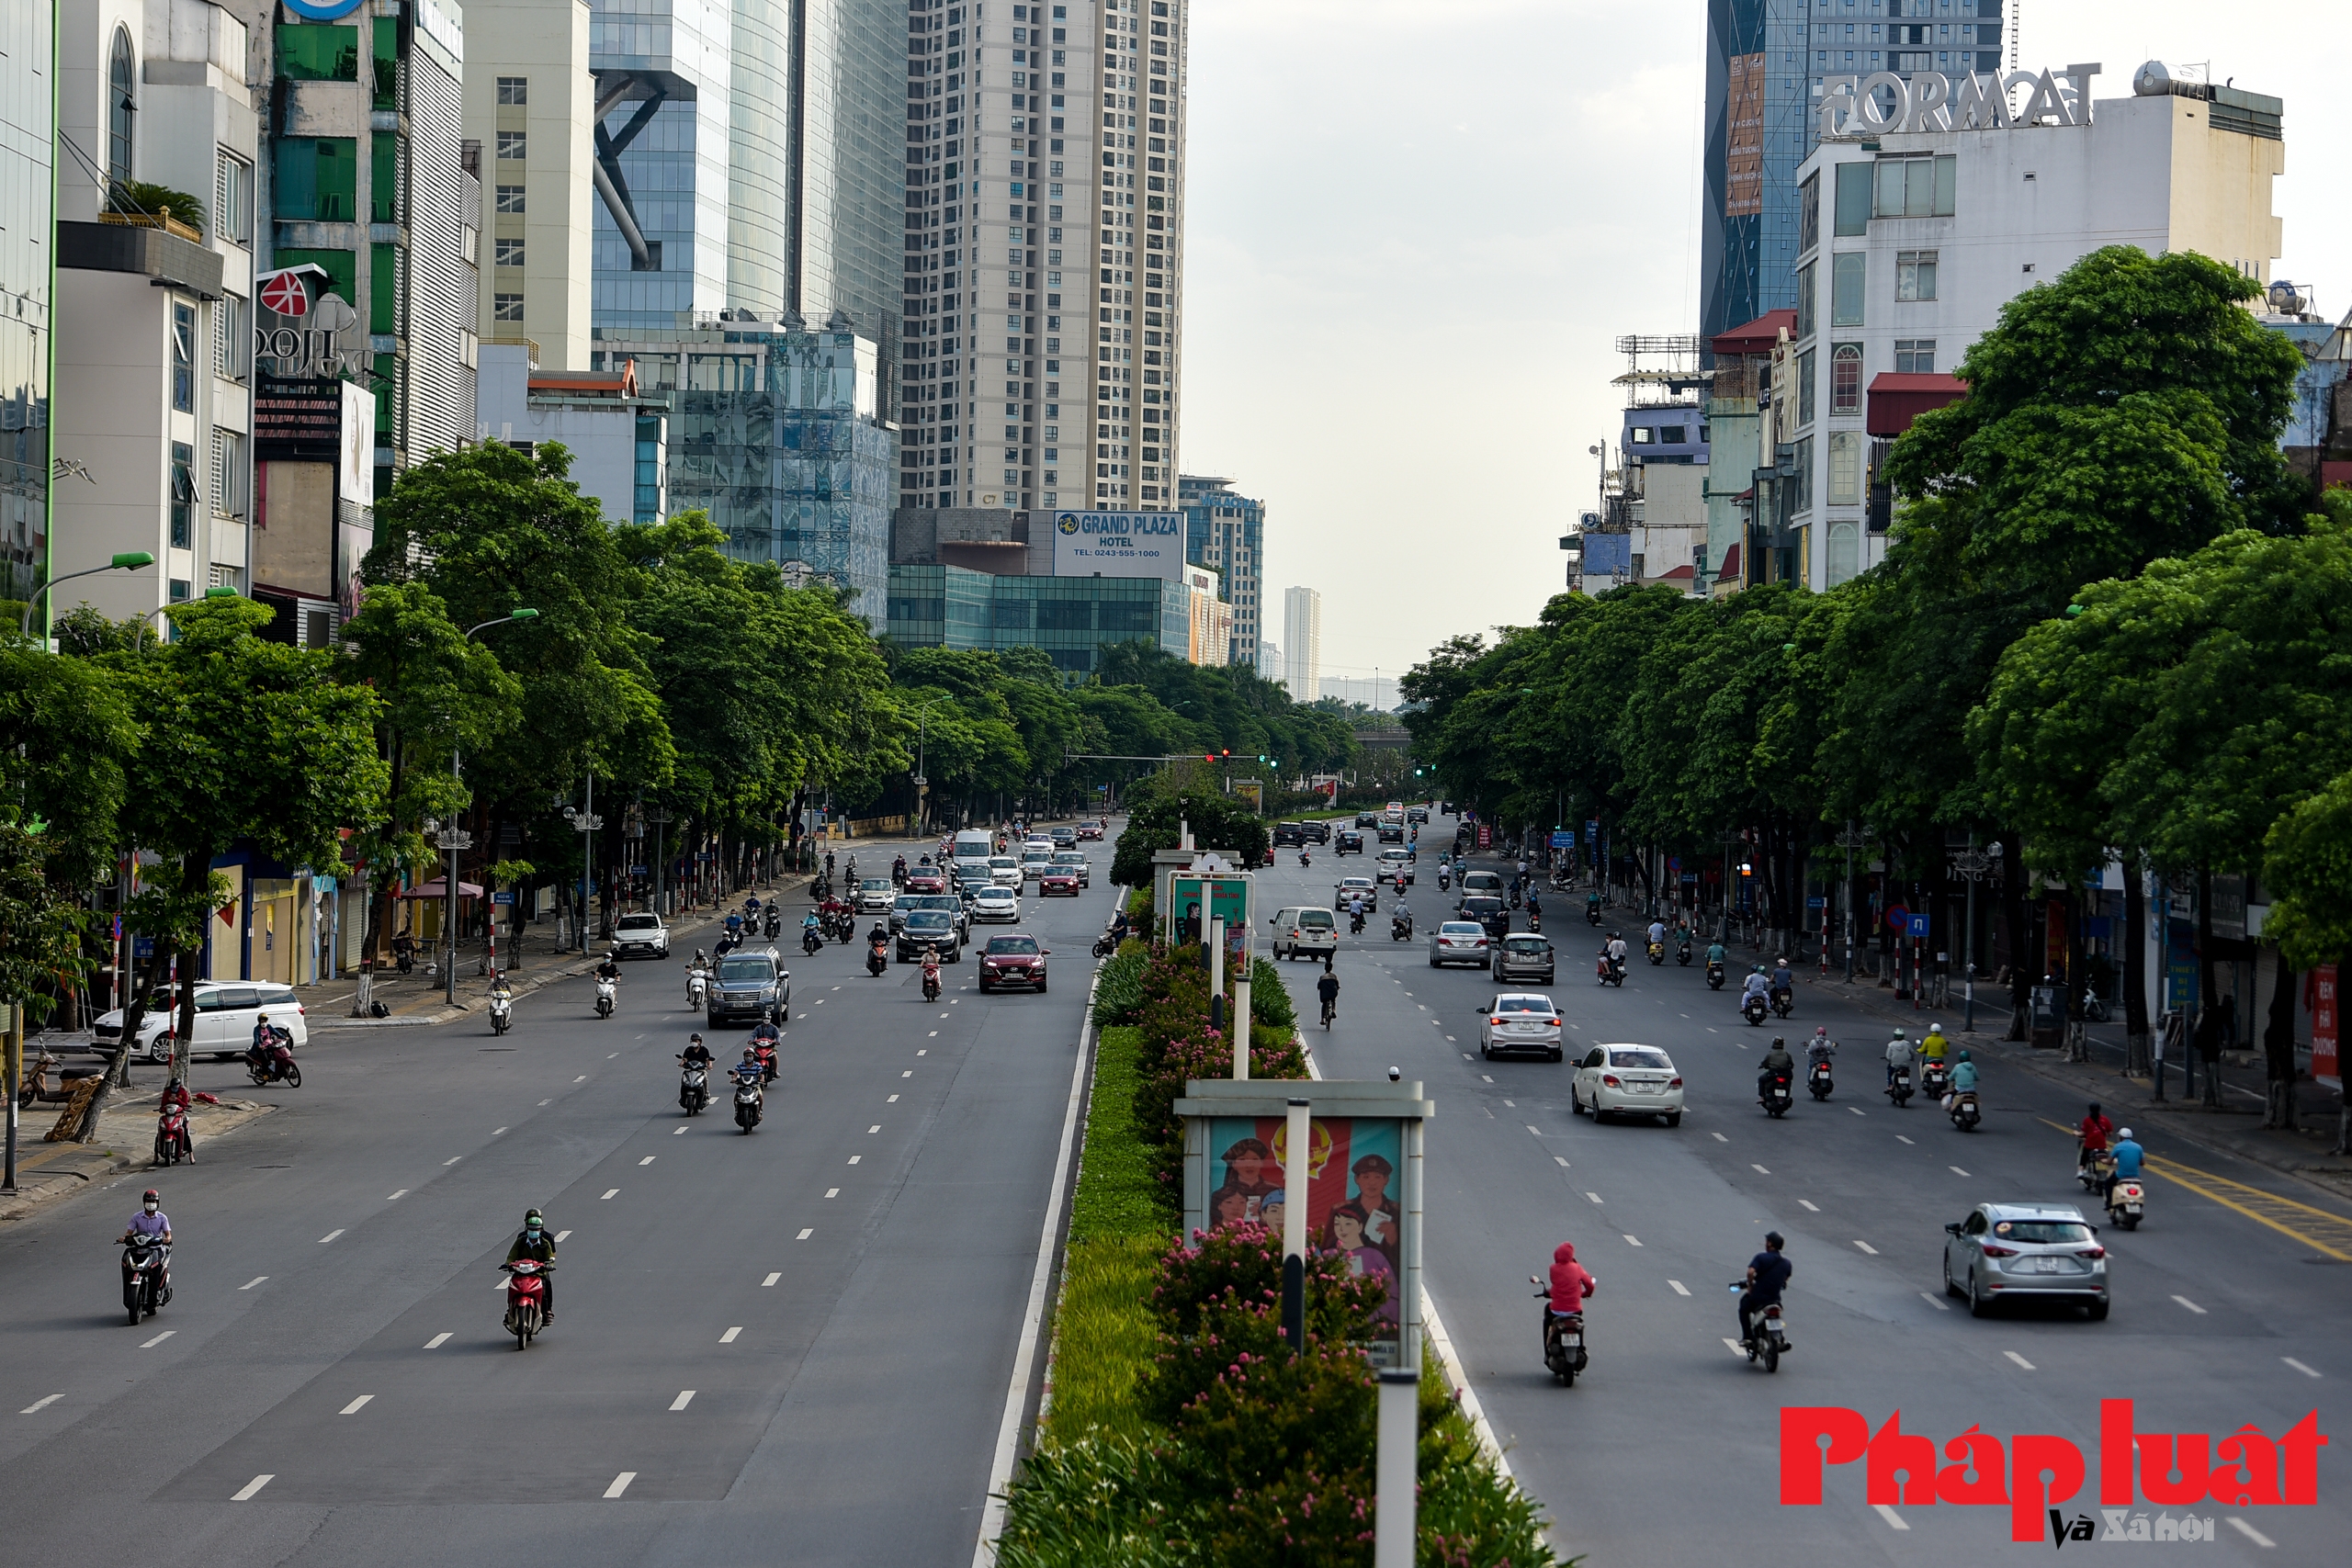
[353, 1407]
[437, 1341]
[620, 1483]
[252, 1283]
[1809, 1204]
[159, 1340]
[329, 1236]
[2307, 1371]
[1866, 1246]
[806, 1233]
[560, 1234]
[729, 1338]
[2190, 1305]
[609, 1195]
[2020, 1361]
[1893, 1521]
[39, 1404]
[646, 1160]
[685, 1397]
[1680, 1288]
[244, 1494]
[2248, 1531]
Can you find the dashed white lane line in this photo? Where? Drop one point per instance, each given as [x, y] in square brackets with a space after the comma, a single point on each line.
[1893, 1521]
[245, 1493]
[547, 1103]
[252, 1283]
[875, 1128]
[609, 1195]
[609, 1055]
[926, 1051]
[679, 1132]
[436, 1342]
[329, 1236]
[729, 1338]
[620, 1483]
[395, 1197]
[1467, 1057]
[451, 1160]
[832, 1191]
[1866, 1246]
[2020, 1361]
[1733, 1346]
[583, 1078]
[1901, 1139]
[1537, 1131]
[646, 1160]
[933, 1035]
[1858, 1111]
[2307, 1371]
[40, 1403]
[893, 1100]
[806, 1233]
[1939, 1306]
[1956, 1170]
[2190, 1305]
[1632, 1241]
[685, 1397]
[854, 1158]
[1594, 1196]
[1485, 1077]
[355, 1405]
[1719, 1137]
[1680, 1288]
[1561, 1160]
[1757, 1168]
[1808, 1204]
[2248, 1531]
[560, 1234]
[907, 1074]
[769, 1283]
[159, 1340]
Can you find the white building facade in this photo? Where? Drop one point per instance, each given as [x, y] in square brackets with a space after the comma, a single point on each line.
[1929, 204]
[1303, 643]
[529, 126]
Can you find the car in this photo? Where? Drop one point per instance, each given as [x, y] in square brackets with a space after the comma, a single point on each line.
[745, 984]
[1013, 959]
[1317, 831]
[1367, 818]
[1627, 1080]
[930, 928]
[1064, 838]
[1393, 860]
[1392, 832]
[1289, 833]
[1394, 808]
[908, 903]
[1351, 843]
[1523, 955]
[1446, 808]
[1489, 911]
[2004, 1250]
[225, 1014]
[1459, 941]
[640, 935]
[1517, 1022]
[1416, 816]
[1304, 929]
[925, 879]
[1354, 887]
[875, 894]
[1477, 882]
[1034, 862]
[1058, 881]
[996, 905]
[1090, 830]
[1075, 860]
[1004, 871]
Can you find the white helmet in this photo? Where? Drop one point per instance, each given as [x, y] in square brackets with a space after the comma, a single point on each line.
[2125, 1133]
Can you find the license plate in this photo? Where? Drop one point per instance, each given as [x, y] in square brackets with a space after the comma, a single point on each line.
[1643, 1087]
[1572, 1339]
[2045, 1266]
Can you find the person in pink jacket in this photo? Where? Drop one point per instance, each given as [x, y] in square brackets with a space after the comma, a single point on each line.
[1571, 1281]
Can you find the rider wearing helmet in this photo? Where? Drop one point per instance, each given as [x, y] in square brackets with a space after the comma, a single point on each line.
[1768, 1272]
[150, 1220]
[695, 1051]
[1820, 1048]
[536, 1245]
[1963, 1074]
[1756, 986]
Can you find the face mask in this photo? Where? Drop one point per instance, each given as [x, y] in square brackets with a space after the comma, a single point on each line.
[153, 1207]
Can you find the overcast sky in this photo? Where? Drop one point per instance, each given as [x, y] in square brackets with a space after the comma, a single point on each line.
[1415, 231]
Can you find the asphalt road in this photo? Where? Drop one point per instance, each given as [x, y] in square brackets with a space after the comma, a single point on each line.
[1668, 1446]
[794, 1344]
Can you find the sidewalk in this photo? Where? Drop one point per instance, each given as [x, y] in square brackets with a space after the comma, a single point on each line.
[125, 1141]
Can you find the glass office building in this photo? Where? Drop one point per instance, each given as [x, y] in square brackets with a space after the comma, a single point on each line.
[27, 115]
[1071, 617]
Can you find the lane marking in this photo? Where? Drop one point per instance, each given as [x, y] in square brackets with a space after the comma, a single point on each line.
[2248, 1531]
[1537, 1131]
[1594, 1196]
[159, 1340]
[685, 1397]
[244, 1494]
[2190, 1305]
[1858, 1111]
[1719, 1137]
[40, 1403]
[329, 1236]
[1733, 1346]
[646, 1160]
[547, 1103]
[1809, 1203]
[729, 1338]
[560, 1234]
[854, 1158]
[1893, 1521]
[2307, 1371]
[497, 1132]
[1901, 1139]
[875, 1128]
[679, 1133]
[1465, 1055]
[252, 1283]
[583, 1078]
[1562, 1161]
[832, 1191]
[1680, 1288]
[437, 1341]
[806, 1233]
[609, 1195]
[893, 1100]
[452, 1160]
[1866, 1246]
[610, 1055]
[1956, 1170]
[1633, 1241]
[1757, 1168]
[933, 1035]
[396, 1197]
[926, 1050]
[1939, 1306]
[353, 1408]
[2020, 1361]
[907, 1074]
[620, 1483]
[1485, 1077]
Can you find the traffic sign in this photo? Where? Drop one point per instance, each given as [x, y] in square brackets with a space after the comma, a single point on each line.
[1915, 926]
[1564, 838]
[503, 896]
[1816, 903]
[1898, 919]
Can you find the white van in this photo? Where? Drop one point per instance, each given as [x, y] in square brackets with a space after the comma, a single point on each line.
[1304, 929]
[224, 1020]
[973, 847]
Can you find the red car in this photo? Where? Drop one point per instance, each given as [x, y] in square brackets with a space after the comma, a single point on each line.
[1013, 959]
[1090, 829]
[1056, 879]
[926, 880]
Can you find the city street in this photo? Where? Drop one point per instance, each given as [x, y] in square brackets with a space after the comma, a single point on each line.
[2227, 1305]
[791, 1345]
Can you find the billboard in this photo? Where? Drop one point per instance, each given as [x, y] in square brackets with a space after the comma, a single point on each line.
[1119, 544]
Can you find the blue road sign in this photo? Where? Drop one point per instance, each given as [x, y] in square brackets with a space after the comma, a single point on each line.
[1915, 926]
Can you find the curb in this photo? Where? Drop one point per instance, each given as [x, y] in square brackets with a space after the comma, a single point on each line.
[82, 1170]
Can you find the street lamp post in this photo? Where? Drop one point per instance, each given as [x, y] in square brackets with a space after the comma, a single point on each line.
[454, 838]
[1852, 839]
[1972, 864]
[128, 561]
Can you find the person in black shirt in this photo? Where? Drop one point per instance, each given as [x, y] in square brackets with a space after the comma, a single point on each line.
[1768, 1272]
[696, 1052]
[1328, 988]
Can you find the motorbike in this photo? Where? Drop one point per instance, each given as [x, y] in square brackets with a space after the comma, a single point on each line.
[1355, 922]
[607, 992]
[1963, 1110]
[811, 938]
[2127, 1199]
[877, 958]
[694, 1086]
[1592, 910]
[1818, 1080]
[1331, 1006]
[146, 1276]
[1715, 977]
[844, 927]
[1752, 1009]
[1767, 1336]
[1658, 953]
[1682, 954]
[1777, 1098]
[772, 925]
[1534, 920]
[1612, 971]
[502, 1013]
[404, 953]
[1105, 945]
[749, 1096]
[1564, 1350]
[763, 1052]
[1444, 879]
[172, 1143]
[276, 1067]
[1898, 1087]
[1782, 1000]
[1400, 927]
[2098, 1173]
[1934, 1081]
[929, 984]
[1303, 858]
[526, 1296]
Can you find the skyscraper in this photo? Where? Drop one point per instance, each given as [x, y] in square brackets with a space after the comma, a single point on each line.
[1044, 254]
[1227, 532]
[529, 126]
[27, 120]
[1303, 644]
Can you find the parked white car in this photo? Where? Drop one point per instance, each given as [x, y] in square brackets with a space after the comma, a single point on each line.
[225, 1012]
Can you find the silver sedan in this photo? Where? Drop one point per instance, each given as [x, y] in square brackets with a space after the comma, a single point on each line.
[2002, 1250]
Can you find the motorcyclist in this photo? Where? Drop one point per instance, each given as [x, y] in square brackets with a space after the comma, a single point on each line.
[1571, 1280]
[1820, 1048]
[2094, 1130]
[1755, 987]
[734, 924]
[262, 1054]
[1614, 948]
[1768, 1272]
[748, 1070]
[1782, 984]
[1328, 988]
[696, 1054]
[499, 985]
[150, 1220]
[1401, 916]
[1657, 931]
[1778, 1063]
[1898, 1054]
[2128, 1157]
[812, 921]
[1963, 1074]
[536, 1245]
[609, 967]
[899, 870]
[1355, 911]
[1715, 954]
[1933, 1044]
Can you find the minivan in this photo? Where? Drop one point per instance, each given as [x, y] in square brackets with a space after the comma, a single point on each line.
[224, 1020]
[1305, 930]
[1490, 882]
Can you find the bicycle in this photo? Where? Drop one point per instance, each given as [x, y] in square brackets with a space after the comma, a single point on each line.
[1330, 1006]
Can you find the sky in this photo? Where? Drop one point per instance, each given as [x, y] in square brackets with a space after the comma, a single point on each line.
[1415, 231]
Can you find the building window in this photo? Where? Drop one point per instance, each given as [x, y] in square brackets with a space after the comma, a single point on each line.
[513, 146]
[1853, 200]
[1801, 486]
[1915, 187]
[1809, 214]
[183, 496]
[1914, 356]
[231, 331]
[1804, 301]
[510, 252]
[232, 200]
[1845, 468]
[1844, 553]
[122, 107]
[229, 473]
[1805, 388]
[514, 90]
[1846, 288]
[183, 357]
[1846, 378]
[506, 307]
[510, 198]
[1915, 275]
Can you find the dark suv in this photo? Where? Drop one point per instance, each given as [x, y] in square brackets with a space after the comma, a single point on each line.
[1289, 833]
[1351, 843]
[751, 985]
[1318, 833]
[1489, 911]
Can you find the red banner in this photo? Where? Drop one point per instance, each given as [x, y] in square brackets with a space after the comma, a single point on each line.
[2319, 992]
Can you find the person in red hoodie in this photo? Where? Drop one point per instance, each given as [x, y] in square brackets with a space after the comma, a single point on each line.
[1571, 1280]
[2096, 1131]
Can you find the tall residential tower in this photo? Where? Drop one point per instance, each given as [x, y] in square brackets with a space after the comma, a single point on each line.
[1303, 644]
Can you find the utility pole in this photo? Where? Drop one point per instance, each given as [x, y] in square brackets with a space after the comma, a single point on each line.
[1972, 863]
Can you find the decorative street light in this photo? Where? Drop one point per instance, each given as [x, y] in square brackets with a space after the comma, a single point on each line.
[1974, 866]
[1852, 839]
[128, 561]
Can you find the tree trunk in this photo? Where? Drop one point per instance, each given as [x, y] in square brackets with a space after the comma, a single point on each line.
[2278, 1047]
[2014, 914]
[2078, 1028]
[2135, 968]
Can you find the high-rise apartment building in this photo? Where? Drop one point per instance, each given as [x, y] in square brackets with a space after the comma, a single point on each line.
[1044, 254]
[1227, 532]
[1766, 60]
[27, 115]
[1303, 644]
[529, 124]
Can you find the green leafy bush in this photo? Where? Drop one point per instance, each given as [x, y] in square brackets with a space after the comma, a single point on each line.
[142, 197]
[1118, 985]
[1269, 1002]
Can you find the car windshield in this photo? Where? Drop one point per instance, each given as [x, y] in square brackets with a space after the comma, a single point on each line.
[2045, 1233]
[1069, 857]
[995, 895]
[875, 883]
[1461, 928]
[929, 920]
[1356, 882]
[947, 901]
[745, 969]
[1315, 916]
[1527, 944]
[1481, 905]
[1525, 1004]
[999, 946]
[1003, 862]
[1657, 1059]
[638, 922]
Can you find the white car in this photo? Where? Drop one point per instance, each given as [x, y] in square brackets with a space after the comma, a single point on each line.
[875, 894]
[1627, 1080]
[225, 1012]
[1517, 1021]
[1459, 941]
[996, 905]
[1034, 860]
[1351, 886]
[641, 935]
[1075, 860]
[1004, 871]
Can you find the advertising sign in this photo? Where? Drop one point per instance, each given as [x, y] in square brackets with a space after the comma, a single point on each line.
[1608, 554]
[1196, 897]
[356, 446]
[1119, 544]
[1251, 792]
[2320, 992]
[1486, 837]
